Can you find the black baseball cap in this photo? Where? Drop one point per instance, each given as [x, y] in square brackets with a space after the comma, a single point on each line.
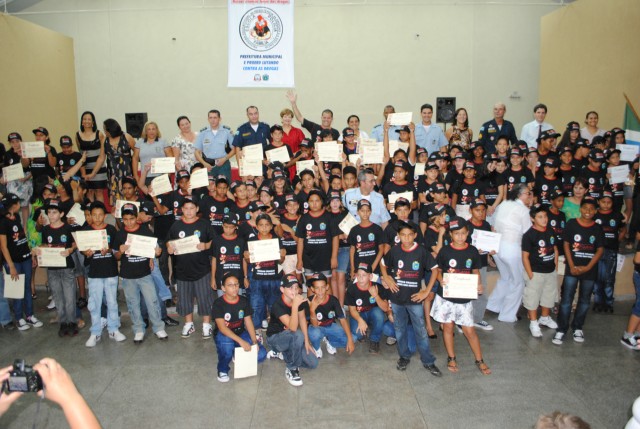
[289, 280]
[348, 132]
[9, 199]
[548, 134]
[52, 204]
[230, 218]
[364, 202]
[457, 223]
[42, 130]
[129, 209]
[365, 267]
[477, 203]
[317, 277]
[182, 174]
[434, 209]
[14, 136]
[65, 141]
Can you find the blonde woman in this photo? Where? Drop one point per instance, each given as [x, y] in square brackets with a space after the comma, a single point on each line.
[150, 145]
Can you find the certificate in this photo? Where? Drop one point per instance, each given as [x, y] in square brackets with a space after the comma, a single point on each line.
[394, 145]
[51, 257]
[120, 203]
[199, 179]
[367, 141]
[163, 165]
[13, 172]
[418, 170]
[347, 223]
[402, 118]
[245, 363]
[619, 174]
[561, 265]
[329, 151]
[33, 149]
[161, 185]
[186, 245]
[95, 240]
[305, 165]
[462, 286]
[372, 153]
[464, 211]
[354, 157]
[486, 241]
[140, 245]
[394, 197]
[250, 167]
[253, 153]
[280, 154]
[77, 213]
[628, 152]
[620, 263]
[264, 250]
[13, 289]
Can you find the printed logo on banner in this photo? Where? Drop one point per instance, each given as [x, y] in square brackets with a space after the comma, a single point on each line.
[261, 29]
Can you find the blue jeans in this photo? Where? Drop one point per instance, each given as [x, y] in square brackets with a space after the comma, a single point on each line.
[163, 291]
[132, 290]
[107, 287]
[291, 345]
[5, 313]
[569, 286]
[25, 304]
[334, 333]
[636, 306]
[401, 316]
[389, 331]
[262, 293]
[375, 320]
[343, 260]
[225, 347]
[603, 287]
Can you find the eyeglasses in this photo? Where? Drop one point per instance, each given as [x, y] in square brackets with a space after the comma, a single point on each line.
[232, 284]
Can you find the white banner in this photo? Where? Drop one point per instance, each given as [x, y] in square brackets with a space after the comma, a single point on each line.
[260, 44]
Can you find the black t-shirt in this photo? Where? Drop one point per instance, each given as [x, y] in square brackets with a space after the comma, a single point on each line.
[247, 231]
[103, 266]
[513, 177]
[233, 313]
[468, 191]
[362, 299]
[228, 254]
[617, 189]
[132, 267]
[595, 181]
[540, 246]
[214, 210]
[40, 166]
[317, 233]
[407, 267]
[16, 239]
[453, 180]
[390, 233]
[491, 184]
[289, 241]
[611, 223]
[568, 179]
[337, 218]
[279, 309]
[583, 243]
[431, 238]
[557, 223]
[243, 212]
[458, 261]
[173, 201]
[65, 162]
[303, 196]
[266, 270]
[545, 186]
[315, 130]
[192, 266]
[366, 241]
[162, 223]
[279, 202]
[329, 311]
[448, 210]
[484, 226]
[58, 237]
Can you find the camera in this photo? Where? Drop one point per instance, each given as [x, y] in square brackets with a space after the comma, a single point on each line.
[23, 378]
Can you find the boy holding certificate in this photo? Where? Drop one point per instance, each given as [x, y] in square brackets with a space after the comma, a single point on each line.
[365, 241]
[478, 222]
[228, 256]
[458, 258]
[287, 230]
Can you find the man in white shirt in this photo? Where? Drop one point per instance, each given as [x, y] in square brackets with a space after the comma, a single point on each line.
[532, 131]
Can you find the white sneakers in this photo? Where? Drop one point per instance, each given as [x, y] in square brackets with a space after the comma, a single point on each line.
[162, 335]
[51, 305]
[548, 322]
[293, 376]
[93, 340]
[483, 325]
[330, 349]
[118, 336]
[275, 355]
[223, 377]
[578, 336]
[558, 338]
[319, 352]
[23, 325]
[534, 327]
[138, 338]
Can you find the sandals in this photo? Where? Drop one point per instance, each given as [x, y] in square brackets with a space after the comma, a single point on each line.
[484, 369]
[452, 365]
[432, 336]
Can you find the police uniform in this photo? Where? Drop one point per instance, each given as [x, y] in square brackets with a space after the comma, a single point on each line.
[379, 213]
[431, 139]
[246, 136]
[213, 146]
[489, 133]
[378, 132]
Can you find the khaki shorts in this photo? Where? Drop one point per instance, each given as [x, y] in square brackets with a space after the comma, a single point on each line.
[289, 264]
[541, 290]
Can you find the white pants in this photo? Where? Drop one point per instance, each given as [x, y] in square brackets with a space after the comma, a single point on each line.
[507, 295]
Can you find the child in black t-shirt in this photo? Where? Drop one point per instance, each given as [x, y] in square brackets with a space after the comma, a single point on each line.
[540, 260]
[403, 213]
[548, 182]
[516, 173]
[232, 314]
[467, 191]
[228, 255]
[287, 231]
[458, 258]
[287, 332]
[67, 158]
[557, 218]
[365, 241]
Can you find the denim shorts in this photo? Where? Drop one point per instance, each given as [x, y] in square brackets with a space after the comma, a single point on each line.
[343, 259]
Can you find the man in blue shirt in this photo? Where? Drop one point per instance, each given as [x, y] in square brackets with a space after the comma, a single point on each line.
[378, 131]
[350, 199]
[211, 146]
[498, 126]
[252, 132]
[429, 135]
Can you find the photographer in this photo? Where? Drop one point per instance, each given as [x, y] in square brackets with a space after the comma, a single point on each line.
[59, 388]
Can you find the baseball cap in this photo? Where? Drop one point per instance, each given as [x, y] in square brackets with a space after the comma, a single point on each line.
[552, 162]
[434, 209]
[129, 209]
[548, 134]
[596, 154]
[573, 126]
[348, 132]
[365, 267]
[51, 188]
[564, 149]
[317, 277]
[469, 165]
[255, 206]
[65, 141]
[289, 197]
[147, 206]
[234, 185]
[437, 187]
[14, 136]
[606, 194]
[364, 202]
[402, 164]
[515, 152]
[406, 129]
[250, 183]
[278, 174]
[267, 190]
[556, 193]
[289, 280]
[230, 218]
[430, 166]
[42, 130]
[477, 203]
[222, 179]
[52, 204]
[9, 199]
[306, 143]
[334, 195]
[182, 174]
[457, 223]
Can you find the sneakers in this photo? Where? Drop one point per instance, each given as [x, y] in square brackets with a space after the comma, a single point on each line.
[170, 322]
[433, 369]
[558, 338]
[330, 349]
[92, 341]
[9, 326]
[578, 336]
[223, 377]
[51, 305]
[374, 347]
[207, 331]
[293, 376]
[265, 324]
[391, 341]
[630, 343]
[72, 329]
[117, 336]
[483, 325]
[275, 355]
[319, 352]
[534, 327]
[548, 322]
[63, 330]
[402, 364]
[23, 325]
[33, 321]
[187, 330]
[162, 335]
[138, 338]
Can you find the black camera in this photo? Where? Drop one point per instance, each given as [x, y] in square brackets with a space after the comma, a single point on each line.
[23, 378]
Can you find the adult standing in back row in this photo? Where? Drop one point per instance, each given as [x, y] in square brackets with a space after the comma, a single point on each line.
[211, 146]
[91, 140]
[498, 126]
[313, 128]
[150, 145]
[429, 135]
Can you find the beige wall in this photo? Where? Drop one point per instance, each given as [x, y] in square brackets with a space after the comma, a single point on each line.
[38, 85]
[352, 58]
[589, 57]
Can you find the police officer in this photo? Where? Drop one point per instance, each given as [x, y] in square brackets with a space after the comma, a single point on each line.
[378, 131]
[211, 146]
[498, 126]
[429, 135]
[252, 132]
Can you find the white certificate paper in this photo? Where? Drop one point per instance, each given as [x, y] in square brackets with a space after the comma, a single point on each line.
[418, 170]
[253, 153]
[280, 154]
[463, 286]
[245, 363]
[394, 145]
[33, 149]
[561, 265]
[51, 257]
[141, 245]
[95, 240]
[120, 203]
[13, 172]
[250, 167]
[199, 179]
[347, 223]
[620, 263]
[372, 153]
[399, 119]
[394, 197]
[77, 213]
[628, 152]
[354, 157]
[329, 151]
[305, 165]
[161, 185]
[13, 289]
[619, 174]
[163, 165]
[486, 241]
[264, 250]
[186, 245]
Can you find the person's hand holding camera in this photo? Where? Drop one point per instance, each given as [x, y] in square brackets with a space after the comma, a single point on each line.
[6, 398]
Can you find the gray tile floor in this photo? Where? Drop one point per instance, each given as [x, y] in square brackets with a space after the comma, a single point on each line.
[173, 384]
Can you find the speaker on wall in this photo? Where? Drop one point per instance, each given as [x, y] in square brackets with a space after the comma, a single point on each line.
[135, 123]
[445, 109]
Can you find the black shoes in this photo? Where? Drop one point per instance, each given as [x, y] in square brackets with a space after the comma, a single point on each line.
[402, 364]
[170, 322]
[433, 370]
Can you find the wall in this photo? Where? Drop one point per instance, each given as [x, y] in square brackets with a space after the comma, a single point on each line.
[353, 58]
[589, 57]
[38, 86]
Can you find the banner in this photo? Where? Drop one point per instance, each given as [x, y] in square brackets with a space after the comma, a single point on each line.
[631, 123]
[260, 44]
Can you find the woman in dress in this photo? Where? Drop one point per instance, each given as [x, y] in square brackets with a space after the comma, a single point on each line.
[460, 134]
[90, 140]
[150, 145]
[182, 145]
[590, 130]
[291, 136]
[118, 148]
[571, 207]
